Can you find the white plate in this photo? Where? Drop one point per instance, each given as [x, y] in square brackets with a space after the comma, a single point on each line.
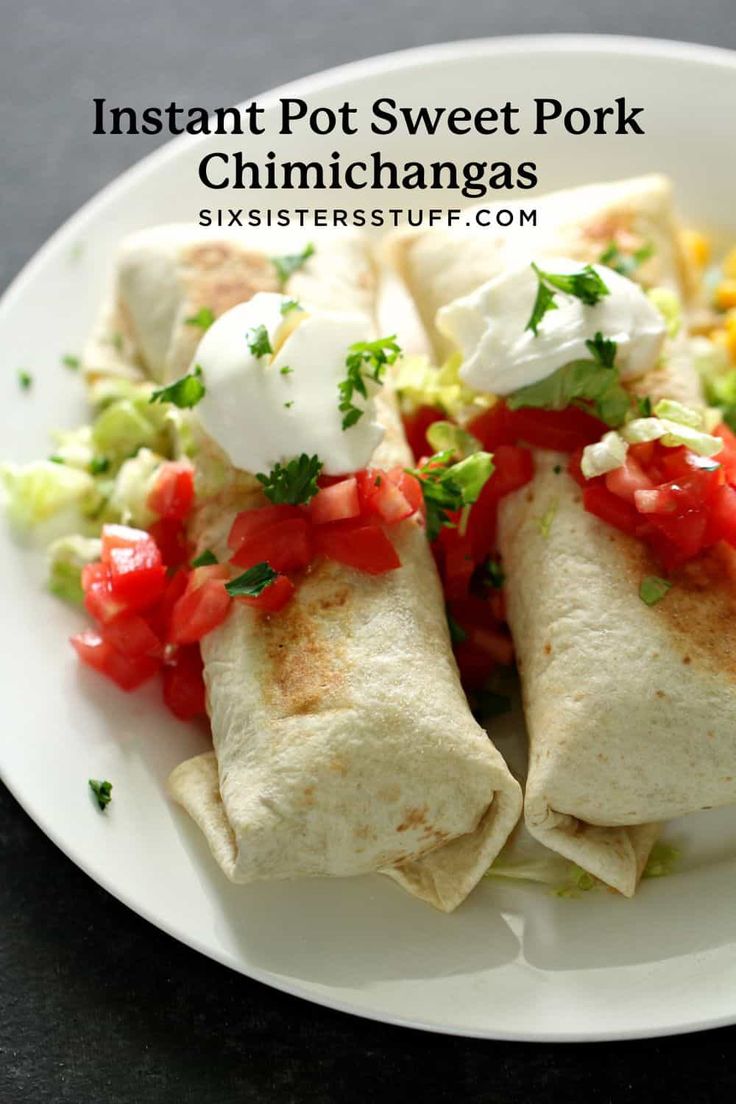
[514, 962]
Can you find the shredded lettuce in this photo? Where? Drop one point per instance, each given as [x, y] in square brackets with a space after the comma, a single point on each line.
[129, 495]
[67, 557]
[677, 412]
[669, 306]
[671, 434]
[582, 380]
[420, 383]
[604, 456]
[448, 437]
[662, 861]
[36, 492]
[718, 377]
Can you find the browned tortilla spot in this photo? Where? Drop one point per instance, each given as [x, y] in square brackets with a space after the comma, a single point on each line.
[701, 606]
[413, 818]
[305, 667]
[218, 276]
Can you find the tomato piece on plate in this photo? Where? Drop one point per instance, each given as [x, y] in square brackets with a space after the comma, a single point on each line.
[137, 575]
[382, 496]
[172, 494]
[727, 456]
[410, 487]
[286, 546]
[250, 522]
[598, 500]
[416, 426]
[559, 430]
[132, 636]
[99, 600]
[365, 547]
[121, 536]
[459, 564]
[336, 502]
[183, 683]
[159, 617]
[495, 643]
[627, 480]
[170, 536]
[686, 531]
[273, 597]
[128, 672]
[475, 664]
[722, 516]
[199, 610]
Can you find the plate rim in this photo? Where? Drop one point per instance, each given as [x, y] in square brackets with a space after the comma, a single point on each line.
[385, 65]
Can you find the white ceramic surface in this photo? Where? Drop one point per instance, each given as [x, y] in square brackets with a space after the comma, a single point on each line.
[514, 962]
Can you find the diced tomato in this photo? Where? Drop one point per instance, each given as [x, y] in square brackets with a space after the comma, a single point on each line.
[128, 672]
[410, 487]
[121, 536]
[365, 547]
[132, 636]
[475, 664]
[513, 467]
[183, 683]
[99, 599]
[171, 538]
[574, 469]
[207, 574]
[685, 531]
[336, 502]
[172, 494]
[727, 456]
[286, 546]
[416, 426]
[381, 495]
[137, 575]
[472, 610]
[250, 522]
[199, 610]
[493, 427]
[722, 516]
[160, 616]
[459, 564]
[627, 480]
[598, 500]
[273, 597]
[558, 430]
[496, 644]
[643, 453]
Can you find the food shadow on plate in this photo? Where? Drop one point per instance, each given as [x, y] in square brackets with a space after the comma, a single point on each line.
[347, 931]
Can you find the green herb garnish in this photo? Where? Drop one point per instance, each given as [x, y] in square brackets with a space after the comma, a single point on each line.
[205, 559]
[25, 379]
[294, 482]
[185, 392]
[285, 370]
[98, 465]
[544, 523]
[653, 589]
[258, 341]
[290, 305]
[643, 406]
[366, 360]
[602, 349]
[71, 362]
[252, 582]
[585, 285]
[203, 319]
[625, 264]
[290, 263]
[448, 487]
[494, 574]
[102, 791]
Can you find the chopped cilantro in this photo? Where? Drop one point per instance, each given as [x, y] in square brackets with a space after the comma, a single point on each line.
[494, 574]
[205, 559]
[288, 405]
[644, 406]
[290, 263]
[294, 482]
[285, 370]
[557, 469]
[203, 319]
[56, 459]
[71, 362]
[366, 360]
[625, 264]
[290, 305]
[585, 285]
[544, 523]
[252, 582]
[457, 632]
[602, 349]
[98, 465]
[449, 487]
[102, 791]
[258, 341]
[653, 589]
[184, 392]
[25, 379]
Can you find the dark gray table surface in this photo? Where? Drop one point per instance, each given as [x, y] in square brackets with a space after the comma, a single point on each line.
[95, 1004]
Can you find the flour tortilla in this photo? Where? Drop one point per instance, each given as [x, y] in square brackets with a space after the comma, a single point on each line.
[630, 709]
[343, 741]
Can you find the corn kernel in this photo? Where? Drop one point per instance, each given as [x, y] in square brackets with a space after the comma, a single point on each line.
[730, 339]
[725, 295]
[697, 247]
[729, 264]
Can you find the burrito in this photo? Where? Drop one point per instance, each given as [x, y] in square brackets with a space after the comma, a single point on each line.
[343, 743]
[620, 619]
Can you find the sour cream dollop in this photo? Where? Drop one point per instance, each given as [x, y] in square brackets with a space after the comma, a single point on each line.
[264, 410]
[500, 355]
